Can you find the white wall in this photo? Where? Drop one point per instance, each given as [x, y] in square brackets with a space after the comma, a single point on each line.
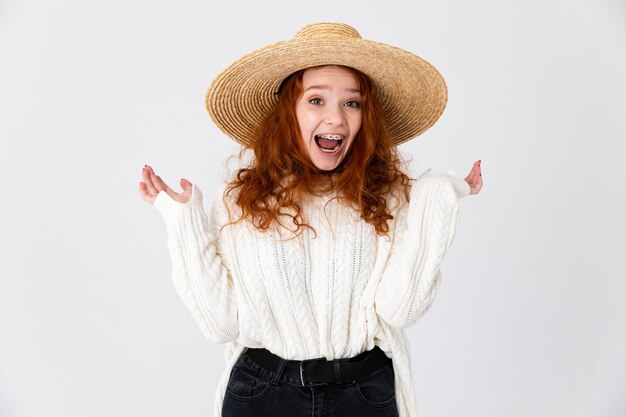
[530, 320]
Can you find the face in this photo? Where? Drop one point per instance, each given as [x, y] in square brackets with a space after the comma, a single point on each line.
[329, 114]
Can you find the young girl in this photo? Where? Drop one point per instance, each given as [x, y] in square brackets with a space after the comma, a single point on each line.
[320, 252]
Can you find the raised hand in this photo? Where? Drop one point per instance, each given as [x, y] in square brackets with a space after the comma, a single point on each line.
[152, 184]
[475, 178]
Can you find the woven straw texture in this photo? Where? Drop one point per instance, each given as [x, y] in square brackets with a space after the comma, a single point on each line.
[410, 91]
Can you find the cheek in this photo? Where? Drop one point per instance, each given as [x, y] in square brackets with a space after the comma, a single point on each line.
[356, 125]
[304, 124]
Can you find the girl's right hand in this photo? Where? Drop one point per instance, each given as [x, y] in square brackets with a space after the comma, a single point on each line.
[151, 185]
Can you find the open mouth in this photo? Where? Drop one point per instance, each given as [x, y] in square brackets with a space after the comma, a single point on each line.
[329, 143]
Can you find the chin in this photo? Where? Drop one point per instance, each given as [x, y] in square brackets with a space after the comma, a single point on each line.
[325, 168]
[328, 165]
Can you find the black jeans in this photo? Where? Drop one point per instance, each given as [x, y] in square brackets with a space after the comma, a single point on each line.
[253, 391]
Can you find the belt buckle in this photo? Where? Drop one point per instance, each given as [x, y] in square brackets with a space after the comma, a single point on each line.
[302, 380]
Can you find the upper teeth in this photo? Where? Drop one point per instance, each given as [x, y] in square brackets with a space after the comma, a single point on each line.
[331, 137]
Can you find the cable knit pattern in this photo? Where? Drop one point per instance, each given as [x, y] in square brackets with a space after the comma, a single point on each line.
[334, 293]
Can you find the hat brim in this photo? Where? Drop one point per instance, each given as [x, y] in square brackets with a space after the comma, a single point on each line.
[410, 90]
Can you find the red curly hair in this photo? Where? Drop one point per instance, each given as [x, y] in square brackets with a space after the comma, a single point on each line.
[281, 172]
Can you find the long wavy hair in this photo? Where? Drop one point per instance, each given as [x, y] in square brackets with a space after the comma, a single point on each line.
[281, 173]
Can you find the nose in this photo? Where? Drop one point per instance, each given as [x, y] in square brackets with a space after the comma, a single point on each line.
[334, 115]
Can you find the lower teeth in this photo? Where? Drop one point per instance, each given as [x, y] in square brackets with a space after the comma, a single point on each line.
[330, 150]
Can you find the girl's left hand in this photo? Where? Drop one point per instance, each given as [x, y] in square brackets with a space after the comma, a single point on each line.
[475, 178]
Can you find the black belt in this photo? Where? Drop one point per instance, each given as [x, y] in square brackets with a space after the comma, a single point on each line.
[319, 371]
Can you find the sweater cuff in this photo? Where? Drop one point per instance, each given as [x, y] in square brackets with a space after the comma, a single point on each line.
[170, 209]
[461, 186]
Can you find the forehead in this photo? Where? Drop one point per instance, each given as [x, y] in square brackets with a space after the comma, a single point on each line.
[329, 76]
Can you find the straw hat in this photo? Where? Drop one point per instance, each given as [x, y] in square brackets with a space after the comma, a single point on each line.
[410, 91]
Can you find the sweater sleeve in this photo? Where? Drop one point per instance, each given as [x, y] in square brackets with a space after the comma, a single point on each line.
[423, 231]
[200, 277]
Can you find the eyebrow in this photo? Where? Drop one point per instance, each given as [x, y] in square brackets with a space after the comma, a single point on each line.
[325, 87]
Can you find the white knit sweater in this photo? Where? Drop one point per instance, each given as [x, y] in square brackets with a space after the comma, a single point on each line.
[334, 294]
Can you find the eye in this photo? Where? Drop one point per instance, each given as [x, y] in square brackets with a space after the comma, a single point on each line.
[316, 101]
[354, 104]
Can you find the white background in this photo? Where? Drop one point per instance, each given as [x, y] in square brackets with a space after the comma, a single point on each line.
[531, 317]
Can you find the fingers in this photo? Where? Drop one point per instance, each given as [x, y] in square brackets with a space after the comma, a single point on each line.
[184, 184]
[152, 184]
[475, 171]
[146, 187]
[145, 194]
[147, 179]
[158, 182]
[186, 195]
[478, 178]
[474, 178]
